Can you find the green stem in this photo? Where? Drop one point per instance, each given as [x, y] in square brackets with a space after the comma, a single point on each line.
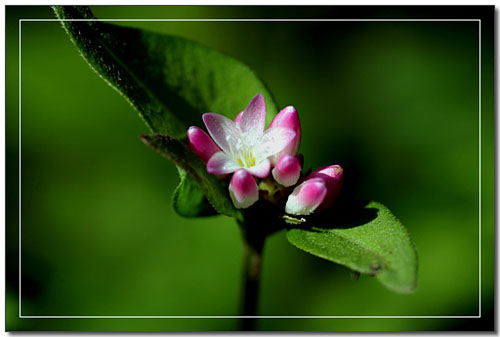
[253, 246]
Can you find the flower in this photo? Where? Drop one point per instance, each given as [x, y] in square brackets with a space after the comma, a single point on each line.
[245, 145]
[317, 192]
[246, 150]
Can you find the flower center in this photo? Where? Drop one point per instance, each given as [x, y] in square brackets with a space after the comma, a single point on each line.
[247, 159]
[245, 151]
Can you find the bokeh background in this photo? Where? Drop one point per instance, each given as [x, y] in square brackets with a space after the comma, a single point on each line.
[396, 104]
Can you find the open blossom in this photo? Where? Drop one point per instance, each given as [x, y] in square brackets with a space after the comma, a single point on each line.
[243, 144]
[246, 144]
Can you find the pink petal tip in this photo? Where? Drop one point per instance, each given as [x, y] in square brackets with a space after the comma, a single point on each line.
[288, 118]
[243, 189]
[333, 176]
[253, 118]
[237, 119]
[287, 170]
[306, 197]
[201, 144]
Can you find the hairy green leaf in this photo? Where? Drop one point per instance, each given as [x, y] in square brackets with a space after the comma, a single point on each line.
[169, 80]
[364, 237]
[177, 151]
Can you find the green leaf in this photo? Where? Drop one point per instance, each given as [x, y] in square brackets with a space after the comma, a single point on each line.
[177, 151]
[169, 80]
[188, 199]
[365, 237]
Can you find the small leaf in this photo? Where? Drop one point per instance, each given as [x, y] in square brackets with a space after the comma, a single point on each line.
[169, 80]
[366, 238]
[177, 151]
[188, 199]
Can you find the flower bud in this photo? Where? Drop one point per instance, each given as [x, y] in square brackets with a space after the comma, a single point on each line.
[333, 176]
[288, 118]
[287, 170]
[306, 197]
[237, 119]
[201, 143]
[243, 189]
[318, 191]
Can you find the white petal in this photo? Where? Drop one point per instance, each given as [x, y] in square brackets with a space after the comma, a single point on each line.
[261, 170]
[220, 163]
[273, 141]
[224, 131]
[253, 118]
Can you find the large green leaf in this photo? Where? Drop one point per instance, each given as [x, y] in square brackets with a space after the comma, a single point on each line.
[364, 237]
[177, 151]
[169, 80]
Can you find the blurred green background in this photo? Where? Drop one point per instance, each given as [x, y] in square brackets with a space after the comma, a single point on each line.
[396, 104]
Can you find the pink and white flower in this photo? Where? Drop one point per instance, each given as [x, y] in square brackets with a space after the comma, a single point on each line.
[245, 145]
[246, 150]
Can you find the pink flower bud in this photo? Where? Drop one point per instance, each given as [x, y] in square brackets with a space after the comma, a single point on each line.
[201, 143]
[288, 118]
[243, 189]
[333, 176]
[306, 197]
[318, 192]
[237, 119]
[287, 170]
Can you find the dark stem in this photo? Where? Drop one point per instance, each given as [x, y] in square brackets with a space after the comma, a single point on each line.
[253, 246]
